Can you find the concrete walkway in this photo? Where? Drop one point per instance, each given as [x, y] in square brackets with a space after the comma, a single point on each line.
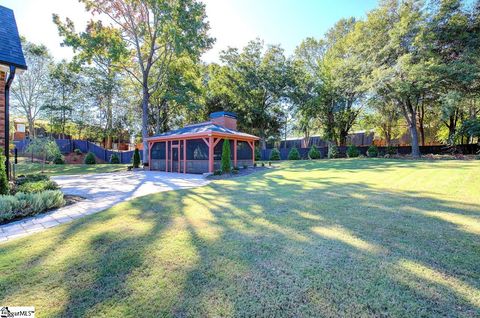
[101, 191]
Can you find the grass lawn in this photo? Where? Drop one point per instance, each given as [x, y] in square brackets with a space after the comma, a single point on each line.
[26, 167]
[356, 238]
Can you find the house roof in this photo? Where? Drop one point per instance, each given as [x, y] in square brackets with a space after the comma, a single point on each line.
[10, 45]
[202, 129]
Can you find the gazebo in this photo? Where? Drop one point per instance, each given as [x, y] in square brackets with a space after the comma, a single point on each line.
[11, 59]
[197, 148]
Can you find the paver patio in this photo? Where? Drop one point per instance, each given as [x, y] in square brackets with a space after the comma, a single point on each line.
[101, 191]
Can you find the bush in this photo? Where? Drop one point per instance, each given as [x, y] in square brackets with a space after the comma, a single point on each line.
[114, 159]
[263, 164]
[293, 154]
[59, 159]
[226, 162]
[25, 204]
[391, 150]
[36, 186]
[245, 166]
[77, 151]
[332, 151]
[235, 171]
[313, 153]
[372, 151]
[217, 172]
[90, 159]
[136, 158]
[275, 154]
[4, 188]
[258, 155]
[30, 178]
[352, 151]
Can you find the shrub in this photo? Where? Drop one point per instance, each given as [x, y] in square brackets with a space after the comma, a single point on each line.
[332, 151]
[114, 159]
[391, 150]
[275, 154]
[30, 178]
[226, 162]
[263, 164]
[217, 172]
[59, 159]
[77, 151]
[136, 158]
[372, 151]
[254, 164]
[293, 154]
[258, 155]
[313, 153]
[352, 151]
[235, 171]
[90, 159]
[4, 188]
[245, 166]
[36, 186]
[236, 168]
[25, 204]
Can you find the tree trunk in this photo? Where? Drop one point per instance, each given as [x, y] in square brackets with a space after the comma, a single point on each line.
[145, 100]
[411, 116]
[414, 135]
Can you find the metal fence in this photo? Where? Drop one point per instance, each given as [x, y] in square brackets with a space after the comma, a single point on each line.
[68, 145]
[402, 150]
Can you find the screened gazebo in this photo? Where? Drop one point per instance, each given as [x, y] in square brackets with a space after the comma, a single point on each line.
[197, 148]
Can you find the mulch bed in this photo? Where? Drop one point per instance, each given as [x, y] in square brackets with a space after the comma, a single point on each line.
[242, 172]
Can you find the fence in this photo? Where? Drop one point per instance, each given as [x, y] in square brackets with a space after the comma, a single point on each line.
[402, 150]
[67, 146]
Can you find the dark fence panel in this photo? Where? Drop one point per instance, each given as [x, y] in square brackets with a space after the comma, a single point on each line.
[68, 146]
[403, 150]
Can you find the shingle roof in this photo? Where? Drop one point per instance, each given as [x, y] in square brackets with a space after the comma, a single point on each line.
[202, 128]
[10, 46]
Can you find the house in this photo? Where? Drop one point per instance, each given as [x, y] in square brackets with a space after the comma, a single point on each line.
[11, 61]
[197, 148]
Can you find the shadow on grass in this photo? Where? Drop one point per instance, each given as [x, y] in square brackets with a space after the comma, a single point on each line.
[261, 245]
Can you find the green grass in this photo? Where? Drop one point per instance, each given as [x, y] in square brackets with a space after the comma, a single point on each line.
[355, 238]
[66, 169]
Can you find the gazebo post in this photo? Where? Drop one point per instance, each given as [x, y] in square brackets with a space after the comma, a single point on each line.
[235, 153]
[184, 155]
[210, 154]
[166, 155]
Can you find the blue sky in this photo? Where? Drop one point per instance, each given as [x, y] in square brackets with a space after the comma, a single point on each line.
[233, 22]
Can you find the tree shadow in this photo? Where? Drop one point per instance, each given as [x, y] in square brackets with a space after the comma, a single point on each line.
[267, 244]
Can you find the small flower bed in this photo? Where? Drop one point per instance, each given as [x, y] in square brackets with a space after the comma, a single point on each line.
[30, 195]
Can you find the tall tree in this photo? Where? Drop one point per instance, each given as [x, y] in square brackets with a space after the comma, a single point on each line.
[103, 47]
[389, 44]
[156, 31]
[257, 79]
[65, 86]
[31, 89]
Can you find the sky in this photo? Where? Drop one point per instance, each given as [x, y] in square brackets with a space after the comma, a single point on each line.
[233, 22]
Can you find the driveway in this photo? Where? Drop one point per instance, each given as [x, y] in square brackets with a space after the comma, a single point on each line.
[101, 191]
[126, 185]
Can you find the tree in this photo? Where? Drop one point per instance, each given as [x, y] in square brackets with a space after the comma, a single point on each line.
[103, 47]
[389, 44]
[136, 158]
[155, 31]
[31, 89]
[44, 148]
[256, 78]
[226, 161]
[65, 89]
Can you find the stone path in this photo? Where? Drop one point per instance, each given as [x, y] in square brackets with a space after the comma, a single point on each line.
[101, 191]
